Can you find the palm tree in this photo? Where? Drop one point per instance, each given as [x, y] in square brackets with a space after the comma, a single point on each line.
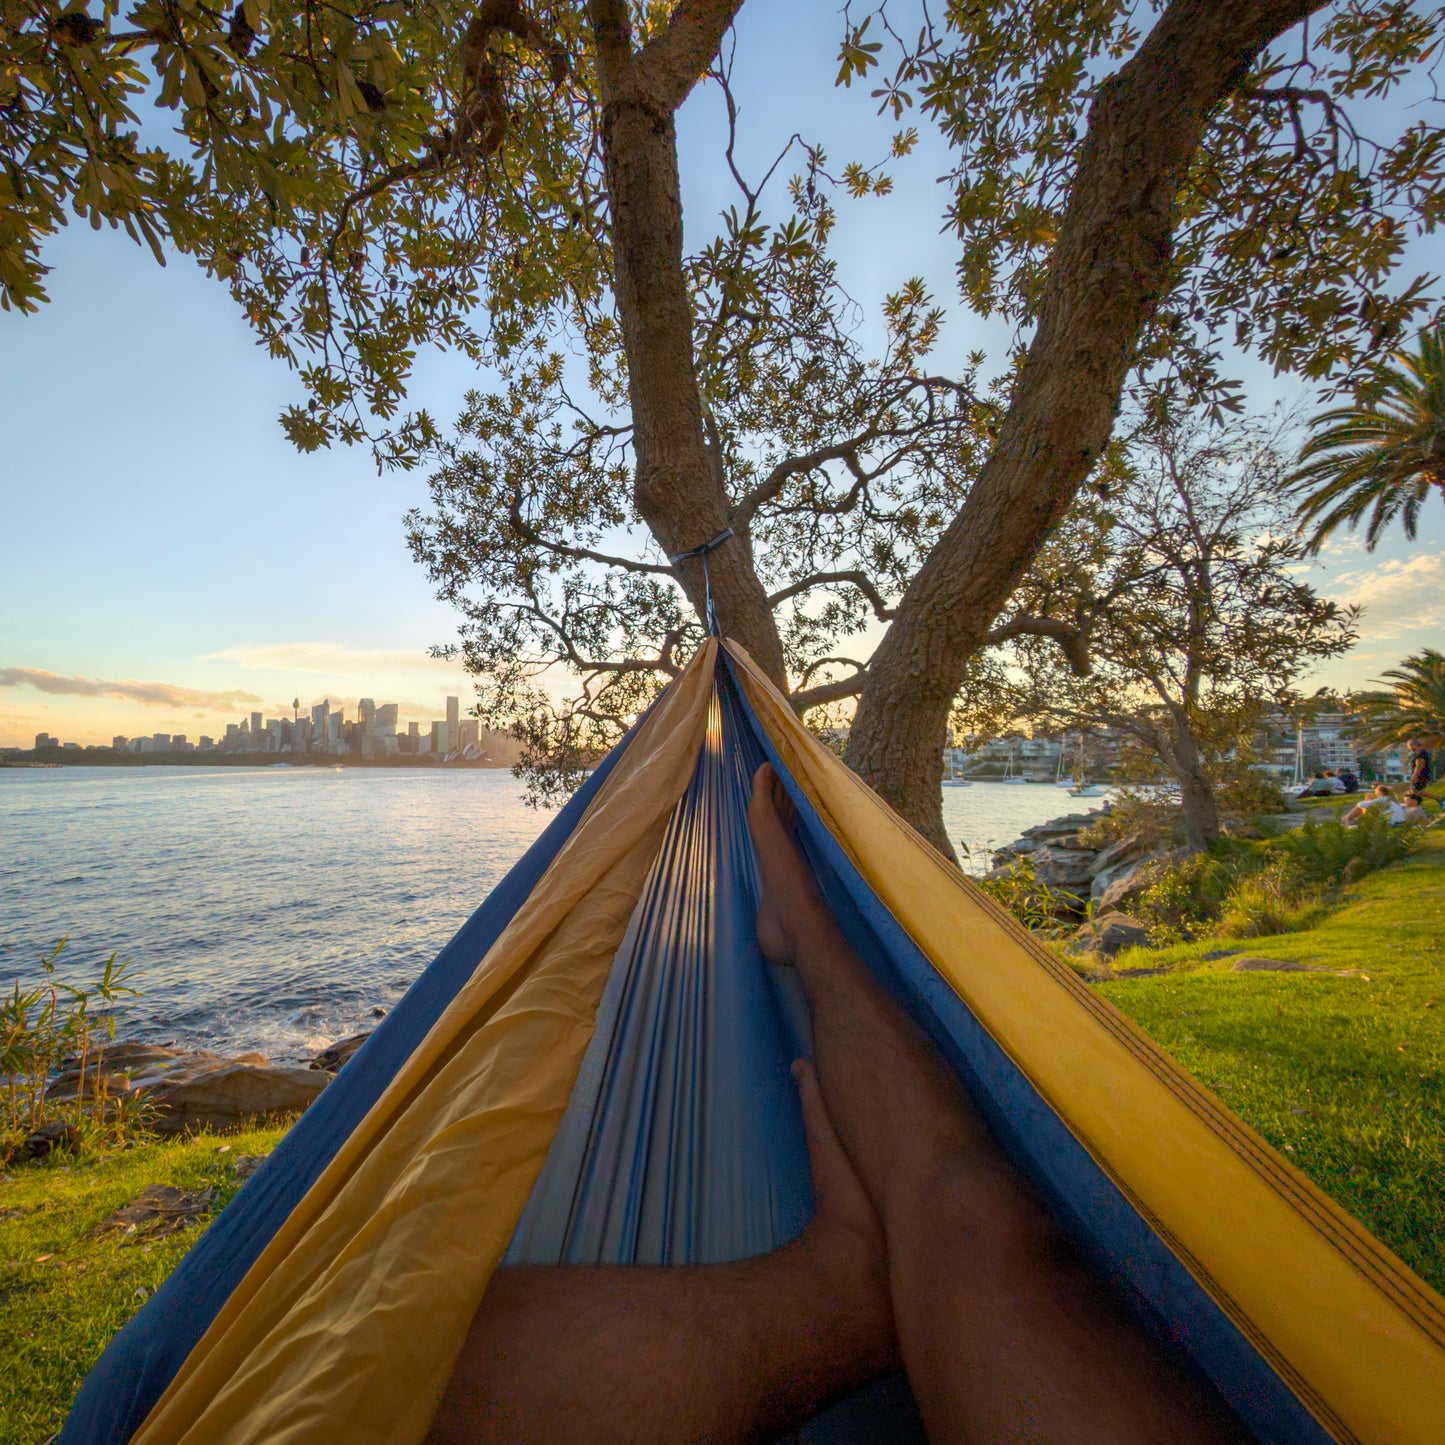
[1413, 708]
[1380, 457]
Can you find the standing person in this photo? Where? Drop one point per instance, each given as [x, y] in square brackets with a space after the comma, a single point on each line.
[1421, 769]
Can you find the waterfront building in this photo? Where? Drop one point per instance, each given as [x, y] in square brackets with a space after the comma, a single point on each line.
[205, 744]
[162, 742]
[119, 743]
[454, 712]
[256, 731]
[44, 740]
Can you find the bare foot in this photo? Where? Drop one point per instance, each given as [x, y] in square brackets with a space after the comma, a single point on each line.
[845, 1236]
[792, 910]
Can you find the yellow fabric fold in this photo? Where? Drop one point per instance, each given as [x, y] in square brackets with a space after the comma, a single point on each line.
[1357, 1335]
[349, 1323]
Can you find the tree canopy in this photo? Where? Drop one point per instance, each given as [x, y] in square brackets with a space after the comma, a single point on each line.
[1135, 187]
[1191, 622]
[1383, 455]
[1411, 704]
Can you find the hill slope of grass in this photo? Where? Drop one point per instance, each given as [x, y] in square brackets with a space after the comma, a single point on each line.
[1345, 1074]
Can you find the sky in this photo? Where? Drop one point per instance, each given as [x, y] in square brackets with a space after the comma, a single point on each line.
[169, 563]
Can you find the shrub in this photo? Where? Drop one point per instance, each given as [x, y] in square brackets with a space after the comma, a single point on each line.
[1324, 847]
[1276, 899]
[1155, 818]
[1248, 794]
[50, 1026]
[1037, 906]
[1183, 902]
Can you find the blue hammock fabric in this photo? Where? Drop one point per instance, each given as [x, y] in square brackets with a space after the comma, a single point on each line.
[682, 1142]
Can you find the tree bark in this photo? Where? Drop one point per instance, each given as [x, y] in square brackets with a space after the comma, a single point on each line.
[678, 492]
[1196, 792]
[1109, 268]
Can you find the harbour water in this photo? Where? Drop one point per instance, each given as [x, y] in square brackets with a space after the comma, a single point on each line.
[276, 908]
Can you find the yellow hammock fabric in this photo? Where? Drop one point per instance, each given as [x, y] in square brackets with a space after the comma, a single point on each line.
[348, 1324]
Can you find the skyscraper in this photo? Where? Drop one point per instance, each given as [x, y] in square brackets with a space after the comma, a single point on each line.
[257, 731]
[454, 713]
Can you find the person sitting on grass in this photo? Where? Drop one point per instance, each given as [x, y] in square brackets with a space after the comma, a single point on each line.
[928, 1248]
[1414, 809]
[1378, 801]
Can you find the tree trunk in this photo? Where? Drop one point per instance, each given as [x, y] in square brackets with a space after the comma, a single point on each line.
[1110, 266]
[678, 492]
[1196, 792]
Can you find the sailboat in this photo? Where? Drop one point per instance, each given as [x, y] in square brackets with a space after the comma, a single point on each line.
[1009, 776]
[1078, 785]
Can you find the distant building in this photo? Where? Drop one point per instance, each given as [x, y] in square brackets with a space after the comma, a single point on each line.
[119, 743]
[454, 713]
[205, 744]
[440, 738]
[257, 730]
[179, 743]
[162, 742]
[44, 740]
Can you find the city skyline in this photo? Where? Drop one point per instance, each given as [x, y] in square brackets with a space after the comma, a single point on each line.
[320, 729]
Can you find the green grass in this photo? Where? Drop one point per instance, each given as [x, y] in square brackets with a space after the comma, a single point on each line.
[57, 1313]
[1345, 1075]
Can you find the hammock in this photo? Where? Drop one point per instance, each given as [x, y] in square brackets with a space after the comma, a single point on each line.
[596, 1069]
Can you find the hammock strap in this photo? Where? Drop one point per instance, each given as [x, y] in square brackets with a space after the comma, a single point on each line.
[706, 576]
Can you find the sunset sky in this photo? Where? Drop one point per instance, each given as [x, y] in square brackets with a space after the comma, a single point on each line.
[168, 562]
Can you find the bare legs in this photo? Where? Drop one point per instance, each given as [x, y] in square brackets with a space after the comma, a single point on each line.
[1005, 1335]
[926, 1243]
[735, 1352]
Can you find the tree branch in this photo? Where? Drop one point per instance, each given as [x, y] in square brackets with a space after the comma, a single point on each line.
[673, 62]
[860, 580]
[827, 692]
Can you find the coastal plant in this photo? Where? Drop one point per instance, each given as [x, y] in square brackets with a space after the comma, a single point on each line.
[1040, 908]
[1276, 899]
[54, 1026]
[1324, 848]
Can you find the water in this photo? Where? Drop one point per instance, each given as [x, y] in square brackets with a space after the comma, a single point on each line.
[276, 908]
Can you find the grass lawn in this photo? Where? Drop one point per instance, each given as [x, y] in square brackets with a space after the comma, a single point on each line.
[1345, 1075]
[63, 1294]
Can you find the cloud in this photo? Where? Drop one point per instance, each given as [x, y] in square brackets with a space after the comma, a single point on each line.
[149, 694]
[1401, 595]
[334, 659]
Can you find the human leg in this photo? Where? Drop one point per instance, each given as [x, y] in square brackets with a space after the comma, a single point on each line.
[1005, 1334]
[733, 1352]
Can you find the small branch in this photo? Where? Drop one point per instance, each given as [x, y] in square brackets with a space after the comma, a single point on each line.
[860, 580]
[828, 692]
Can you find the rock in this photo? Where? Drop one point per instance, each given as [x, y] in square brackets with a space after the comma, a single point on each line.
[1111, 935]
[159, 1209]
[1127, 884]
[1117, 854]
[1215, 953]
[48, 1137]
[334, 1055]
[243, 1166]
[94, 1081]
[1057, 867]
[224, 1097]
[1251, 964]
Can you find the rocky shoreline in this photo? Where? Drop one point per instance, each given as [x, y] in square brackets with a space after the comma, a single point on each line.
[186, 1090]
[1086, 887]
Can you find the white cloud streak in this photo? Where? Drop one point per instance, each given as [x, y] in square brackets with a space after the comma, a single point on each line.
[148, 694]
